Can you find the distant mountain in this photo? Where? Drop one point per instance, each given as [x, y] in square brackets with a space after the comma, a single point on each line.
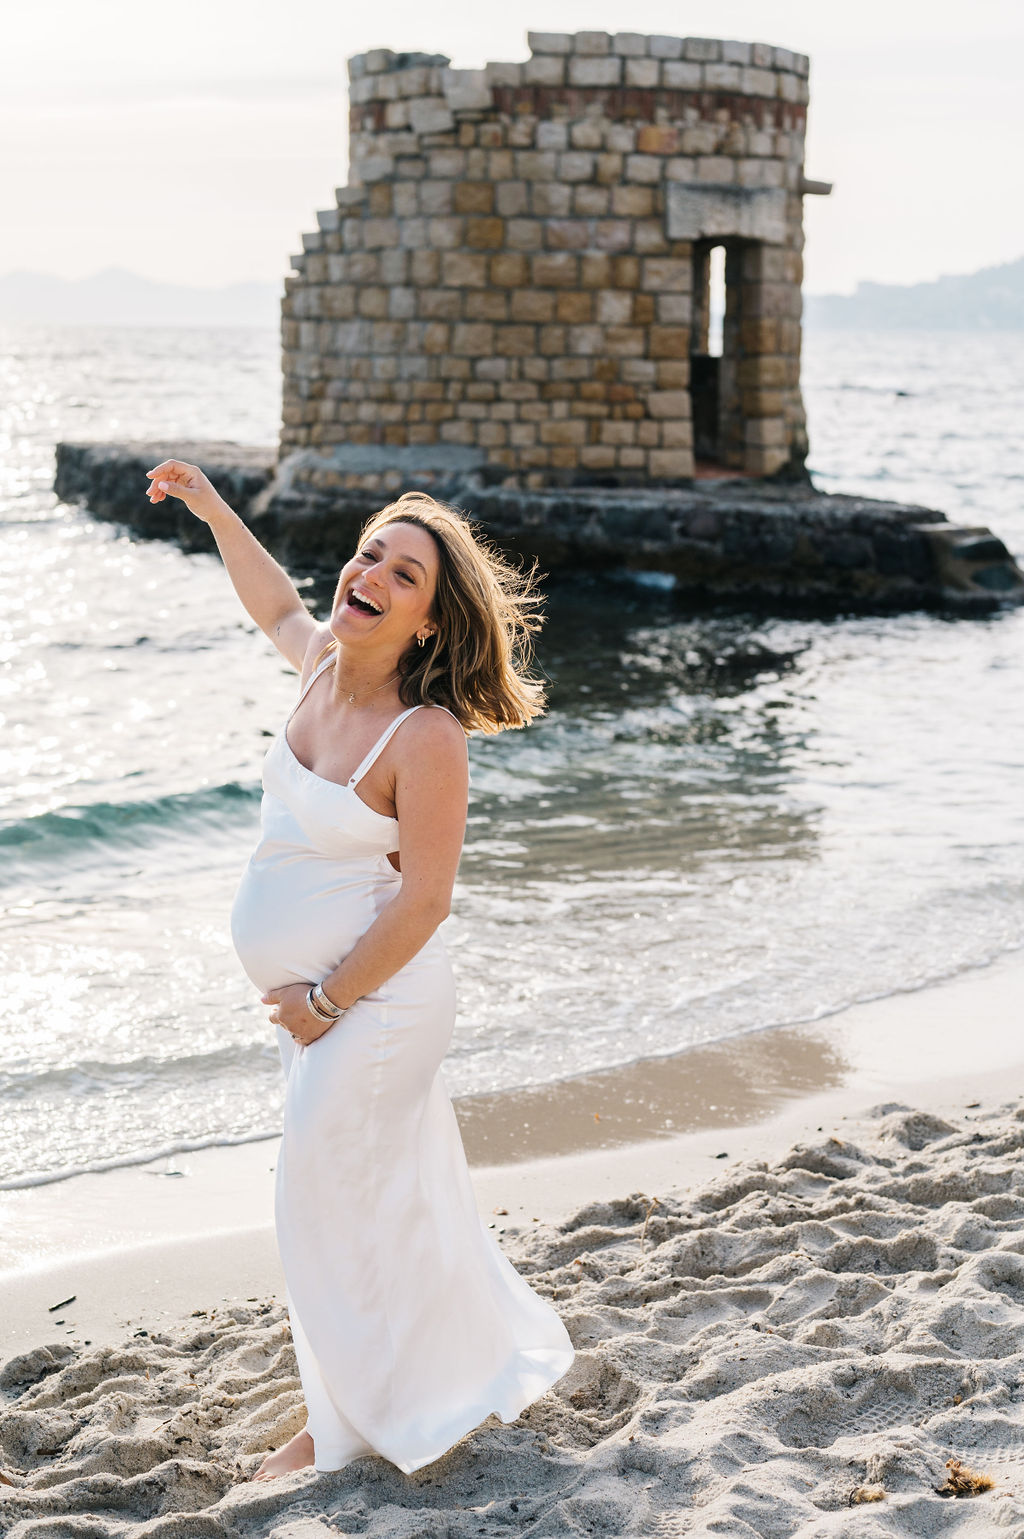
[989, 300]
[118, 298]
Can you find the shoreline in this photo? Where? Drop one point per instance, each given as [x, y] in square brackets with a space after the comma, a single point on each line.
[150, 1242]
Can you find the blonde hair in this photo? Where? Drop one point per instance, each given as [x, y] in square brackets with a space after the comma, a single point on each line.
[477, 661]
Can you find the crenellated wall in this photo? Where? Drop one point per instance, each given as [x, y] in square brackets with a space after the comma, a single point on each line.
[515, 279]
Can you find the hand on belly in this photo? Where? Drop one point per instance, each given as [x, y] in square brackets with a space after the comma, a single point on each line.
[288, 1008]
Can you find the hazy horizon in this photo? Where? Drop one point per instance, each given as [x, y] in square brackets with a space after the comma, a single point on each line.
[198, 151]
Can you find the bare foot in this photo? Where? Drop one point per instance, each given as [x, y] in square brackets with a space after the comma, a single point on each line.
[296, 1454]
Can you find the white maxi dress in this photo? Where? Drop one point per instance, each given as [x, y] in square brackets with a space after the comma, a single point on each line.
[410, 1325]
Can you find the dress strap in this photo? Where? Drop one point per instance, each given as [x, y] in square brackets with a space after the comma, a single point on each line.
[382, 743]
[317, 671]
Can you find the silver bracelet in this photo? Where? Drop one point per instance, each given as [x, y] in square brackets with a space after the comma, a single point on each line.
[322, 1007]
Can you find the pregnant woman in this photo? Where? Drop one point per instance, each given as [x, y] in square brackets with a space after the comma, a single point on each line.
[410, 1326]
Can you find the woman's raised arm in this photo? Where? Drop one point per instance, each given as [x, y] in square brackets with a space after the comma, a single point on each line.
[264, 587]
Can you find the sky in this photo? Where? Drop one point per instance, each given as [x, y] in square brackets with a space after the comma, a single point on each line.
[195, 143]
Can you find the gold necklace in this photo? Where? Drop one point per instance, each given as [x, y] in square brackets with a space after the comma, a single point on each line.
[352, 696]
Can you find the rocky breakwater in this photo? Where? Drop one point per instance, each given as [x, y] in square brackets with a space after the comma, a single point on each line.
[770, 544]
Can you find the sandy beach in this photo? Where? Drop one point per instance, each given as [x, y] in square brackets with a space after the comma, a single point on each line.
[792, 1267]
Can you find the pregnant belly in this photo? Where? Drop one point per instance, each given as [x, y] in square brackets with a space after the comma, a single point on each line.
[294, 920]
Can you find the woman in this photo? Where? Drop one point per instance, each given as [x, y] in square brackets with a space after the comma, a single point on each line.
[410, 1326]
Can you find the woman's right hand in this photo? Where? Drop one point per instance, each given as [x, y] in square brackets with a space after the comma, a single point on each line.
[173, 478]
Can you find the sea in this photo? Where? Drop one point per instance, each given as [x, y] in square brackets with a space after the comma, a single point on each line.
[726, 821]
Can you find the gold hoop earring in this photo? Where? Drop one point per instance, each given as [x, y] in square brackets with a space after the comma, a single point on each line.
[422, 640]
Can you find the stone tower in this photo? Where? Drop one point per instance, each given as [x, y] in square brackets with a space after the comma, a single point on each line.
[516, 278]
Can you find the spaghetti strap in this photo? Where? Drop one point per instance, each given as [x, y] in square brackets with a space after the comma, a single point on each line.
[317, 671]
[381, 744]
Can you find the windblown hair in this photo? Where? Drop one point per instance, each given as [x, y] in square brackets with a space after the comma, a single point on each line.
[477, 663]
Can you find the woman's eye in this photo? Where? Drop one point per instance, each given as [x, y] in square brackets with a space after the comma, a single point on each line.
[408, 576]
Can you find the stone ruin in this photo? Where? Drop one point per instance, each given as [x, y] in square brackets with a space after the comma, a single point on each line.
[515, 282]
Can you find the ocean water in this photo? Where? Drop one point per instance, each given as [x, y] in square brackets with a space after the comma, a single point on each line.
[724, 822]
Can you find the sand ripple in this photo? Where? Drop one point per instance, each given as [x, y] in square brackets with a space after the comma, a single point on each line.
[793, 1350]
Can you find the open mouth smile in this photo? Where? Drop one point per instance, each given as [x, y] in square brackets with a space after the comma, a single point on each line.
[363, 603]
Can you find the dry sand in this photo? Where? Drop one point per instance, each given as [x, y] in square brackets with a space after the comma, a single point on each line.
[830, 1312]
[751, 1356]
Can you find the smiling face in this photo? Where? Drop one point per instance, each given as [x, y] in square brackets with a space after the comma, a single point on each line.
[385, 594]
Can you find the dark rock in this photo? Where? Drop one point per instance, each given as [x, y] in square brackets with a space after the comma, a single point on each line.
[771, 544]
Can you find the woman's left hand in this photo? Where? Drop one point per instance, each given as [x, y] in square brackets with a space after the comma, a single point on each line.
[288, 1008]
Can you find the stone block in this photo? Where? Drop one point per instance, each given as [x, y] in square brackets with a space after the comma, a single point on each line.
[595, 271]
[552, 136]
[591, 202]
[445, 234]
[574, 307]
[555, 269]
[466, 90]
[608, 169]
[673, 373]
[759, 82]
[511, 198]
[533, 306]
[425, 267]
[643, 74]
[717, 170]
[697, 213]
[567, 234]
[631, 45]
[723, 77]
[549, 42]
[430, 115]
[669, 342]
[643, 168]
[575, 166]
[624, 341]
[585, 341]
[551, 340]
[447, 165]
[620, 138]
[587, 134]
[536, 165]
[591, 44]
[661, 274]
[670, 464]
[471, 339]
[613, 234]
[736, 53]
[614, 307]
[680, 76]
[510, 269]
[515, 342]
[649, 237]
[463, 269]
[524, 234]
[630, 201]
[756, 171]
[380, 232]
[597, 457]
[759, 461]
[550, 200]
[504, 76]
[765, 432]
[485, 234]
[544, 70]
[704, 50]
[401, 303]
[474, 197]
[587, 71]
[657, 139]
[570, 431]
[441, 304]
[660, 47]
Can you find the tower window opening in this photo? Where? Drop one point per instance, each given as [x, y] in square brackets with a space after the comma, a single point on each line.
[716, 300]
